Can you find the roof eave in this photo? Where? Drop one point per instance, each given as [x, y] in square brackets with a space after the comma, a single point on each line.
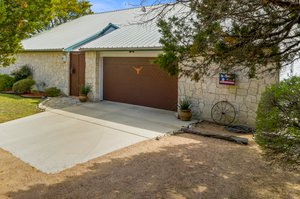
[123, 49]
[43, 50]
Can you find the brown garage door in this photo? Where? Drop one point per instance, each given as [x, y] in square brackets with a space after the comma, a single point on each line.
[137, 81]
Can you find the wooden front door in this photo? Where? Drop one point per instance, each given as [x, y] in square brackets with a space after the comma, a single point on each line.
[77, 72]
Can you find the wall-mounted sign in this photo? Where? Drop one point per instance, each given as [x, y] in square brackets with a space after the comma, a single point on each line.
[227, 78]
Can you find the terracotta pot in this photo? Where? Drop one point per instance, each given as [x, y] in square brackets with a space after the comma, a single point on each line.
[83, 98]
[185, 115]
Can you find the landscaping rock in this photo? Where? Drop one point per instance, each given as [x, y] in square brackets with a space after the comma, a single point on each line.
[58, 102]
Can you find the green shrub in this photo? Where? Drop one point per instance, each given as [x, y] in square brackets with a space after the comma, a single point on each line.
[6, 82]
[23, 86]
[22, 73]
[52, 92]
[278, 119]
[34, 89]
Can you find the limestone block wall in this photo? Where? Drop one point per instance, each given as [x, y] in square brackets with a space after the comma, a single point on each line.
[47, 67]
[92, 74]
[244, 96]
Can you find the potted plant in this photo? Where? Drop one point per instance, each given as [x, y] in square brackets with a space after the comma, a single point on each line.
[84, 91]
[185, 113]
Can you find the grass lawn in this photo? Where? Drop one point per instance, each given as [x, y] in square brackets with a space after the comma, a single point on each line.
[14, 107]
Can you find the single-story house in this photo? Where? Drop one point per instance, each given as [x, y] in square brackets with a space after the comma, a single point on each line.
[113, 53]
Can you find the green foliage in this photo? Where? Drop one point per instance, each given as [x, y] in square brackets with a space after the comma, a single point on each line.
[20, 19]
[52, 92]
[66, 10]
[23, 86]
[185, 104]
[211, 36]
[278, 119]
[6, 82]
[168, 61]
[84, 90]
[22, 73]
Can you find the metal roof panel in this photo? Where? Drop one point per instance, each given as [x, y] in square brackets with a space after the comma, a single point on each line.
[131, 36]
[80, 31]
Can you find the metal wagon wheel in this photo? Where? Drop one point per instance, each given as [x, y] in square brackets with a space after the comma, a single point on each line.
[223, 113]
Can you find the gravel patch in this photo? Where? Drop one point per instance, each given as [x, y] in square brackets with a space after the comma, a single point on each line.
[58, 102]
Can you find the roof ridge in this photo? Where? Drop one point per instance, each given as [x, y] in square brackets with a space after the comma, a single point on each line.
[123, 9]
[92, 37]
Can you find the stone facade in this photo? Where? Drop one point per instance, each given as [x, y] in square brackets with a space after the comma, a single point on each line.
[53, 70]
[244, 95]
[47, 67]
[92, 74]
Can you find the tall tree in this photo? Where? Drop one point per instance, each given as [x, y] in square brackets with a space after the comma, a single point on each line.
[260, 36]
[66, 10]
[20, 19]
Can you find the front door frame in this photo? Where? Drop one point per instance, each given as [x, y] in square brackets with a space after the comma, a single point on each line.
[77, 72]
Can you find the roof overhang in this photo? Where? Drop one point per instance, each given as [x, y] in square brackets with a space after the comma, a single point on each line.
[123, 49]
[43, 50]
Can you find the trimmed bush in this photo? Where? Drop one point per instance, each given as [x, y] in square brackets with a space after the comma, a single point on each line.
[22, 73]
[278, 120]
[23, 86]
[52, 92]
[6, 82]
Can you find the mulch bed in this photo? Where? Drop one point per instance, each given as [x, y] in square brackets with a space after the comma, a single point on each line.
[38, 94]
[34, 95]
[8, 92]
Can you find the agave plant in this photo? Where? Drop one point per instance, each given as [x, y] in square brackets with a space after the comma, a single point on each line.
[185, 104]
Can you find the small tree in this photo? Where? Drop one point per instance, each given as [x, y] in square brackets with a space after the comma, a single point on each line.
[21, 19]
[66, 10]
[278, 119]
[260, 36]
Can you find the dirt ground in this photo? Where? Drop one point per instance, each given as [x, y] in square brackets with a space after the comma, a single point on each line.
[180, 166]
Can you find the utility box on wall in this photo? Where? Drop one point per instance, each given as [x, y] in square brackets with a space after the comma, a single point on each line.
[227, 78]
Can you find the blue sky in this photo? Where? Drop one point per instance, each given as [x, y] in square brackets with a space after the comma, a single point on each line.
[107, 5]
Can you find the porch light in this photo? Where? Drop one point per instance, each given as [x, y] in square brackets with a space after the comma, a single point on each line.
[64, 58]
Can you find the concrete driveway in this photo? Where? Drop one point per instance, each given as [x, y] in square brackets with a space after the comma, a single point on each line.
[58, 139]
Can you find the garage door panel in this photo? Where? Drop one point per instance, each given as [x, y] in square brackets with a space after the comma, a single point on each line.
[137, 81]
